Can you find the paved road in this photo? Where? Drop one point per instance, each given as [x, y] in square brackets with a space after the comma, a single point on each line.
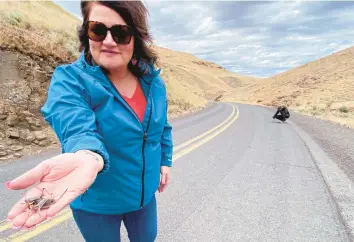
[250, 179]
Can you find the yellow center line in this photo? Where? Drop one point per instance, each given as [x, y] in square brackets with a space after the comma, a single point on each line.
[5, 227]
[9, 225]
[178, 147]
[19, 237]
[67, 214]
[196, 145]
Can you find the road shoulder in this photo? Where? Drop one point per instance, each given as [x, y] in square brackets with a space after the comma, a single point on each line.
[339, 184]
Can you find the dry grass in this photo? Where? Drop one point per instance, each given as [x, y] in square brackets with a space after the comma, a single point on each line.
[322, 88]
[38, 28]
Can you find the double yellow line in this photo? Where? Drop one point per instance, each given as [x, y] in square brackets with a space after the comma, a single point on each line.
[67, 214]
[210, 134]
[24, 235]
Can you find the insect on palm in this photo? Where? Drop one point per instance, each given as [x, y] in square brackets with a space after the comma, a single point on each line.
[42, 201]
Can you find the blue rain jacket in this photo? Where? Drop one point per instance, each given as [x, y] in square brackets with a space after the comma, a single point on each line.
[86, 111]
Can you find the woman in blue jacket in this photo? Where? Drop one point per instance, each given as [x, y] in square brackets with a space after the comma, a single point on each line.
[109, 112]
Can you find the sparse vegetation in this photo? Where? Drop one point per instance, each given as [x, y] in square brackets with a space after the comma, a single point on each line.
[344, 109]
[217, 99]
[14, 18]
[314, 113]
[33, 28]
[185, 105]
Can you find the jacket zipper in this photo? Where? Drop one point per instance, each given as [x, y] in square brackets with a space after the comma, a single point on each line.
[143, 153]
[144, 139]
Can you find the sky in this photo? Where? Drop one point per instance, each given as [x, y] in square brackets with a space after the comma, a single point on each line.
[251, 38]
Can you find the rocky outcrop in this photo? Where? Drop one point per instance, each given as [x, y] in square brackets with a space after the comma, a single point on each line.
[24, 80]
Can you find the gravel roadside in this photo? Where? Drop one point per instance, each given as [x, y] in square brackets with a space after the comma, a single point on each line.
[335, 139]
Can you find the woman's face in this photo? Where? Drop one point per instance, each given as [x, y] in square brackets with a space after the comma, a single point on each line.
[108, 53]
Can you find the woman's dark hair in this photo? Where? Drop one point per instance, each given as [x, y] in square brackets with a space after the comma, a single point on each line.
[134, 14]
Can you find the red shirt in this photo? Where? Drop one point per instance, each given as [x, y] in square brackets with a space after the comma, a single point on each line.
[137, 102]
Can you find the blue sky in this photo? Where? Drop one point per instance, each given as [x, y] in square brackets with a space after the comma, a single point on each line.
[250, 38]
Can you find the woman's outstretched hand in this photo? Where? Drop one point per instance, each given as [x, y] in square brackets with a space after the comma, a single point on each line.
[65, 176]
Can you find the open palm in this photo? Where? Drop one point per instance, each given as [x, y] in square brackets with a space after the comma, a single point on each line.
[64, 177]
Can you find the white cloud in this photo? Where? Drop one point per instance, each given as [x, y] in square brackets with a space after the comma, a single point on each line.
[206, 26]
[274, 37]
[253, 38]
[303, 38]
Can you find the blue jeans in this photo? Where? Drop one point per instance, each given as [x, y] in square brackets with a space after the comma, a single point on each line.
[141, 225]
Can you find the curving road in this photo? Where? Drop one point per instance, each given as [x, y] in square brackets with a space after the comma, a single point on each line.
[238, 175]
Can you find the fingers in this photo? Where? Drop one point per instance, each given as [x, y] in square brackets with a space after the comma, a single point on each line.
[29, 178]
[35, 218]
[20, 207]
[29, 219]
[162, 187]
[20, 219]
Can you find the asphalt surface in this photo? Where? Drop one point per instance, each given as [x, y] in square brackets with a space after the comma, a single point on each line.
[337, 140]
[255, 181]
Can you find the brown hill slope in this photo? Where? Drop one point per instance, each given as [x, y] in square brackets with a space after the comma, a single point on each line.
[323, 88]
[35, 38]
[193, 81]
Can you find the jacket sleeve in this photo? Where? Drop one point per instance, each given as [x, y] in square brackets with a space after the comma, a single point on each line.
[166, 143]
[68, 112]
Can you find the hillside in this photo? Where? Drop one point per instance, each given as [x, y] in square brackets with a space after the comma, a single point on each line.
[322, 88]
[193, 81]
[35, 38]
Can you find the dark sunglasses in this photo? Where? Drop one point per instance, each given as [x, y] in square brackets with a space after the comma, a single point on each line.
[121, 34]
